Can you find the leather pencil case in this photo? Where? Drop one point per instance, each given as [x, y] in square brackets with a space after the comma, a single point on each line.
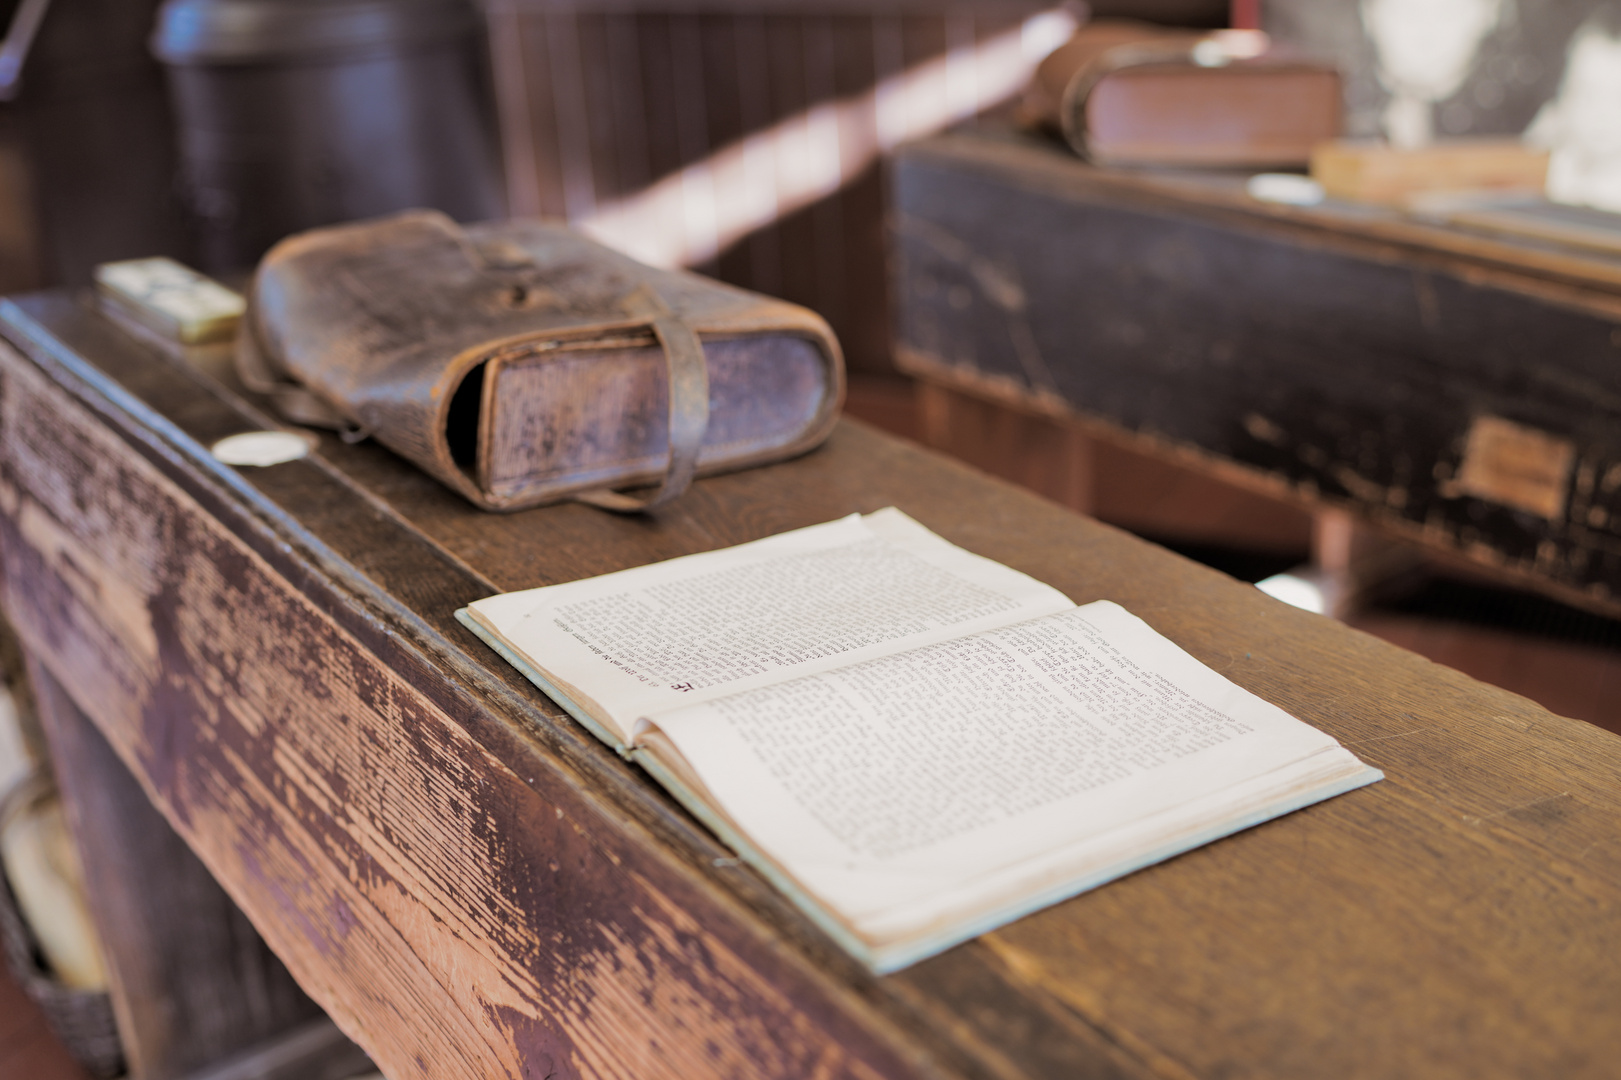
[521, 363]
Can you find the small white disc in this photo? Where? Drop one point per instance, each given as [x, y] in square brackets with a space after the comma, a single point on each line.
[1291, 189]
[261, 448]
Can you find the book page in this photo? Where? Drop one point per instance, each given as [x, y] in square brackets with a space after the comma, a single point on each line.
[899, 789]
[694, 628]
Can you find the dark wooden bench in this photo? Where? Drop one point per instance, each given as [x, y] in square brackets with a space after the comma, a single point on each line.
[472, 886]
[1452, 389]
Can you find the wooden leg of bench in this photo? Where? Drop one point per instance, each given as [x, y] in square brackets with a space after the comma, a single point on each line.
[1355, 564]
[1047, 456]
[1352, 565]
[192, 981]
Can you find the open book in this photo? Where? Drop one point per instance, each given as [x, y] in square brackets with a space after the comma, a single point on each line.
[915, 743]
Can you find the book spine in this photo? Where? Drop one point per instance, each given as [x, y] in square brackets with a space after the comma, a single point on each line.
[1072, 105]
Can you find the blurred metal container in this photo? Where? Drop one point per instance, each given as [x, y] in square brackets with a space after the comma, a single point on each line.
[299, 113]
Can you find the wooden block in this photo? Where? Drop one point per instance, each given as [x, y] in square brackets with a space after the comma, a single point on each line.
[171, 300]
[1376, 172]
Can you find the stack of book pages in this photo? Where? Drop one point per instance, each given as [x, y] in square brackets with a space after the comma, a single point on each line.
[915, 743]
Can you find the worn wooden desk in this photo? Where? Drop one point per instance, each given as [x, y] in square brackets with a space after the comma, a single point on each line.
[1451, 388]
[473, 887]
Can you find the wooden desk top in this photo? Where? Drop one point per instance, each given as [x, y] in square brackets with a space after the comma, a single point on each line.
[474, 887]
[1575, 275]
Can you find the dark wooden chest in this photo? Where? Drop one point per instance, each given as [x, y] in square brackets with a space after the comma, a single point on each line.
[1457, 389]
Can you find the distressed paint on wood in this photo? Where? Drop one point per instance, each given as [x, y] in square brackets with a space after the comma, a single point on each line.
[453, 921]
[1444, 916]
[192, 981]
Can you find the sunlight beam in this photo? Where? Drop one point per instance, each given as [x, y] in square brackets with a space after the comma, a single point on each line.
[694, 214]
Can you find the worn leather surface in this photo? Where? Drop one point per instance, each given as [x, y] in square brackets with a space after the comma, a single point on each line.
[374, 325]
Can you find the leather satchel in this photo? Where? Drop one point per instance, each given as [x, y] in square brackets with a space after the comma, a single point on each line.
[521, 363]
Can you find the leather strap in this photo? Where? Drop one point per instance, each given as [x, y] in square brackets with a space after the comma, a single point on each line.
[689, 406]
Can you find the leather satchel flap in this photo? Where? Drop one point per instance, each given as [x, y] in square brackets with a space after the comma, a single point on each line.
[378, 324]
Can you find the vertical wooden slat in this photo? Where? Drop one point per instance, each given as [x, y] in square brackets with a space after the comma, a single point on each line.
[658, 95]
[687, 76]
[925, 38]
[597, 78]
[568, 97]
[888, 61]
[624, 81]
[827, 215]
[598, 106]
[863, 321]
[692, 134]
[988, 25]
[722, 89]
[789, 97]
[509, 64]
[758, 260]
[723, 107]
[532, 44]
[960, 69]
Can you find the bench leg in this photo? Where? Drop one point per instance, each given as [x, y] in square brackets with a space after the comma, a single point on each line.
[192, 981]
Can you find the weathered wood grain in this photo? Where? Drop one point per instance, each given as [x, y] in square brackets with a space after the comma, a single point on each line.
[456, 922]
[192, 981]
[1455, 389]
[1459, 919]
